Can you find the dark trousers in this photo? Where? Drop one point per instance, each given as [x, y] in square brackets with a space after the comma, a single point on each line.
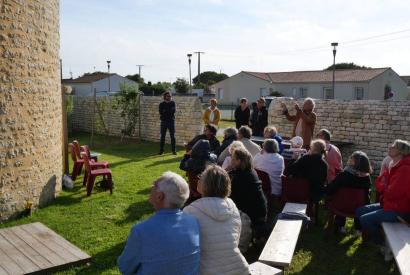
[170, 125]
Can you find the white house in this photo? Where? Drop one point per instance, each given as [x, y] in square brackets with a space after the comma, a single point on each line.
[353, 84]
[406, 78]
[103, 83]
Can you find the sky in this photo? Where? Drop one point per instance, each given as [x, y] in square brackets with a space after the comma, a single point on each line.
[236, 35]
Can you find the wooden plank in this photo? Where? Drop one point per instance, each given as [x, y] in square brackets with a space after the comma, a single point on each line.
[295, 207]
[279, 248]
[398, 238]
[67, 256]
[18, 257]
[38, 246]
[258, 268]
[50, 235]
[7, 264]
[25, 249]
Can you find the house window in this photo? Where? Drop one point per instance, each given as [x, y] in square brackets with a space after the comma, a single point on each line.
[263, 91]
[220, 93]
[358, 93]
[328, 93]
[303, 92]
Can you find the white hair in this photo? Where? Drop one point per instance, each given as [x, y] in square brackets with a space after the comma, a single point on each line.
[309, 99]
[235, 145]
[174, 187]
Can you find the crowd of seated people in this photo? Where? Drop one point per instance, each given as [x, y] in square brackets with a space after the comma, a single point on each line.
[227, 201]
[208, 134]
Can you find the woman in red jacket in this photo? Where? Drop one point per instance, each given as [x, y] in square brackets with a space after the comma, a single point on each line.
[394, 187]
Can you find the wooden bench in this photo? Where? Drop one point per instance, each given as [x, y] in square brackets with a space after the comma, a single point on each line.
[258, 268]
[279, 248]
[398, 239]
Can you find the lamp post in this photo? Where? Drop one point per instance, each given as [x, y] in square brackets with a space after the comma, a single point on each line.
[189, 62]
[109, 81]
[334, 45]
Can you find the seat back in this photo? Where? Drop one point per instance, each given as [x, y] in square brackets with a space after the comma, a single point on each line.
[346, 200]
[77, 149]
[72, 152]
[86, 150]
[266, 185]
[86, 161]
[295, 190]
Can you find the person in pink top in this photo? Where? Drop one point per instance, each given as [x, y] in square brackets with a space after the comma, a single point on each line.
[333, 158]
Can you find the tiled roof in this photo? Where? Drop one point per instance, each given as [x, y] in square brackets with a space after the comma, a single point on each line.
[354, 75]
[88, 78]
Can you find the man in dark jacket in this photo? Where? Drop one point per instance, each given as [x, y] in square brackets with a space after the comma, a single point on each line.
[167, 110]
[210, 135]
[242, 114]
[259, 118]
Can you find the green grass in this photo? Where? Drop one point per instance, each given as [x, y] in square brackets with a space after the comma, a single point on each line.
[100, 224]
[225, 123]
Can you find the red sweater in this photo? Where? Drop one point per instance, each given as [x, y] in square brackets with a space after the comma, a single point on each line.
[396, 193]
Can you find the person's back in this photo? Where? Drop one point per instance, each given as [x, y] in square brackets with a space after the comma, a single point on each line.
[251, 146]
[167, 243]
[273, 164]
[220, 225]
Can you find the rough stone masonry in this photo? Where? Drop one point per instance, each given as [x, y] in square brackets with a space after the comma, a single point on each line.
[30, 104]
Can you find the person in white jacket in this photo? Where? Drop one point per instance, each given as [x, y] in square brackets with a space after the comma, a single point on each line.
[220, 225]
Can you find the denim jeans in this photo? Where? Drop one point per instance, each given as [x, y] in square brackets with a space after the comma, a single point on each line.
[371, 217]
[170, 125]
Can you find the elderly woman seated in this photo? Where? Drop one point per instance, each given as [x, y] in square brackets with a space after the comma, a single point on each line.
[194, 163]
[227, 164]
[394, 189]
[220, 225]
[271, 132]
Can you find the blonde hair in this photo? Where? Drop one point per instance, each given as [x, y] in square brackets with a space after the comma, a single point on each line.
[318, 146]
[271, 130]
[402, 146]
[215, 182]
[244, 157]
[235, 145]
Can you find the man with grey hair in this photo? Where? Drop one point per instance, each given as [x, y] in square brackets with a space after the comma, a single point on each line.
[304, 121]
[168, 242]
[229, 137]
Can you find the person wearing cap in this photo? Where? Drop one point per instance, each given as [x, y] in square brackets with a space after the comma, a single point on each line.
[304, 120]
[212, 114]
[259, 118]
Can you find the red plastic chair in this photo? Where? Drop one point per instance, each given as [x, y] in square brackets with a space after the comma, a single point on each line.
[266, 184]
[193, 184]
[78, 163]
[77, 149]
[93, 163]
[345, 202]
[295, 190]
[93, 173]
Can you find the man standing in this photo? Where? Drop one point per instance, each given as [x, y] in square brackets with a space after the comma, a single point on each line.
[168, 242]
[242, 114]
[333, 157]
[167, 110]
[260, 118]
[304, 120]
[212, 114]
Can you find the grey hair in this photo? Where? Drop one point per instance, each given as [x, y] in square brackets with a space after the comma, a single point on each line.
[174, 187]
[235, 145]
[309, 99]
[270, 146]
[231, 131]
[402, 146]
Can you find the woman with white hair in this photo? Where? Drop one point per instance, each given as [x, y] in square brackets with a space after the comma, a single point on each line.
[227, 164]
[394, 189]
[220, 225]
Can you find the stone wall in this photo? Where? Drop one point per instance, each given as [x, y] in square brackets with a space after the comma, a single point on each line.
[371, 125]
[188, 117]
[30, 104]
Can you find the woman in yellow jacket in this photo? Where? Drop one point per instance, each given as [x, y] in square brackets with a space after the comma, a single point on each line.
[212, 114]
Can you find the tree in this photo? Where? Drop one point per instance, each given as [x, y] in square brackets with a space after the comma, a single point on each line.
[345, 66]
[181, 86]
[209, 78]
[155, 89]
[136, 78]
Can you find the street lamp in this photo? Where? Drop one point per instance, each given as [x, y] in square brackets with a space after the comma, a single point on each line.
[109, 81]
[334, 45]
[189, 61]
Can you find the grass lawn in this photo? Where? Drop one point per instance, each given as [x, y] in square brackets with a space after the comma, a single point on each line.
[100, 224]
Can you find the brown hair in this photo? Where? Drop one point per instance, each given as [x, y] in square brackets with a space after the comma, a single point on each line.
[244, 157]
[215, 182]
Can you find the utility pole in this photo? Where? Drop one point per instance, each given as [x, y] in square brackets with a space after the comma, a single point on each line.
[199, 64]
[190, 81]
[139, 69]
[109, 80]
[334, 45]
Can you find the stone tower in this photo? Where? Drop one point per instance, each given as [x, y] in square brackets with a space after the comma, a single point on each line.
[30, 104]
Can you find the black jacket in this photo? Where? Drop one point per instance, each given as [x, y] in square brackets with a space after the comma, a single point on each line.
[199, 158]
[167, 110]
[213, 142]
[314, 169]
[242, 117]
[225, 143]
[247, 194]
[259, 121]
[346, 179]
